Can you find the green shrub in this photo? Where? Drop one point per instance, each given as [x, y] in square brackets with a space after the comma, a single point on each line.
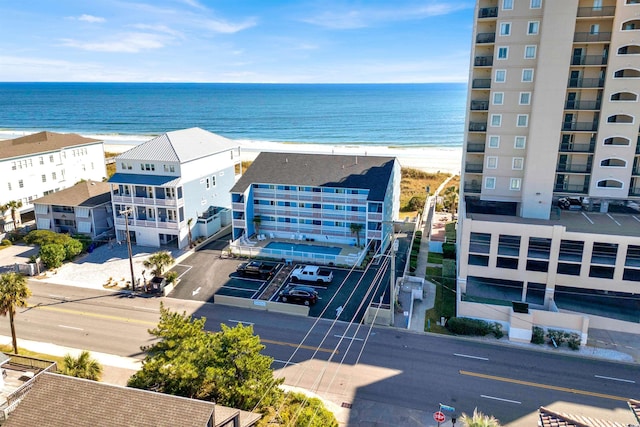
[448, 268]
[5, 242]
[449, 250]
[72, 247]
[416, 203]
[497, 330]
[413, 265]
[537, 335]
[556, 336]
[418, 234]
[414, 253]
[466, 326]
[574, 341]
[171, 276]
[52, 255]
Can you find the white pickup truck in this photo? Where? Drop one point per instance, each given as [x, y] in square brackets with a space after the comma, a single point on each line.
[311, 273]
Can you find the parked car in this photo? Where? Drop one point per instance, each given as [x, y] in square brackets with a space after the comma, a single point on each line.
[299, 294]
[258, 269]
[570, 203]
[311, 273]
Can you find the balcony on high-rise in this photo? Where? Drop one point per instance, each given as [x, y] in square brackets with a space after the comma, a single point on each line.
[590, 37]
[477, 126]
[488, 12]
[580, 126]
[481, 84]
[483, 61]
[478, 105]
[475, 147]
[486, 38]
[589, 60]
[582, 105]
[585, 82]
[473, 167]
[595, 11]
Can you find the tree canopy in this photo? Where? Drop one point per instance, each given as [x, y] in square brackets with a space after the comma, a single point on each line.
[225, 367]
[158, 262]
[83, 366]
[51, 254]
[13, 293]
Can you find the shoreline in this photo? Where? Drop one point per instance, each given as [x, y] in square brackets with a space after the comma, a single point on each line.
[429, 159]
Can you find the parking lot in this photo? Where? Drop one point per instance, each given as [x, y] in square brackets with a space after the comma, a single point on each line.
[206, 274]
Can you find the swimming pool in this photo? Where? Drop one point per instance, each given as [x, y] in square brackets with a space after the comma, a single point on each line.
[303, 247]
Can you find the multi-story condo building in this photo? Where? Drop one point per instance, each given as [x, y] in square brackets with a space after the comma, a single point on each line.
[551, 165]
[344, 199]
[35, 165]
[174, 187]
[84, 208]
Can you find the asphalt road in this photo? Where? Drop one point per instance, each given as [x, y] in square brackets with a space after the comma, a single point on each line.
[396, 369]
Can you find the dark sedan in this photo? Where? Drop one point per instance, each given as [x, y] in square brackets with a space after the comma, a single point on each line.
[299, 294]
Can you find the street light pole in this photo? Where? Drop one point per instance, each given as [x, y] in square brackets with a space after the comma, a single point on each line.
[126, 212]
[393, 278]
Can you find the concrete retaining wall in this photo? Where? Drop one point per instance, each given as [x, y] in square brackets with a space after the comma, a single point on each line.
[272, 306]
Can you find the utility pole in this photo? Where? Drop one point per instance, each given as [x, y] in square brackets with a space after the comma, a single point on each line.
[126, 212]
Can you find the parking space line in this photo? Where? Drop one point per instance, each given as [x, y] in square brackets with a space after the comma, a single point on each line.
[587, 217]
[186, 271]
[349, 338]
[237, 289]
[241, 321]
[614, 220]
[636, 218]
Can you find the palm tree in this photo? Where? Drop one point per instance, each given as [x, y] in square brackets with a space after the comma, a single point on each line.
[83, 366]
[13, 293]
[257, 221]
[189, 222]
[13, 205]
[355, 229]
[158, 261]
[451, 199]
[479, 420]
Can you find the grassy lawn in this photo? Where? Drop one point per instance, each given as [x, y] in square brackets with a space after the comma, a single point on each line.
[434, 258]
[413, 185]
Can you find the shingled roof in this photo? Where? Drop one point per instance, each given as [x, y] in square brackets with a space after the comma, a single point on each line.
[86, 193]
[56, 400]
[549, 418]
[180, 146]
[320, 170]
[41, 142]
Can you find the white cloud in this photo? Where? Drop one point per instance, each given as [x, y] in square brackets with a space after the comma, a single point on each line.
[221, 26]
[124, 43]
[159, 28]
[194, 4]
[90, 18]
[365, 17]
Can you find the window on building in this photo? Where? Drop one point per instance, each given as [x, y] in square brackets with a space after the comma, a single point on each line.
[21, 184]
[9, 185]
[527, 75]
[594, 29]
[533, 28]
[536, 4]
[51, 159]
[514, 184]
[517, 163]
[213, 181]
[53, 176]
[523, 120]
[520, 142]
[490, 183]
[530, 52]
[503, 53]
[494, 141]
[501, 76]
[525, 98]
[41, 160]
[496, 120]
[505, 28]
[480, 243]
[207, 182]
[507, 4]
[44, 178]
[13, 166]
[498, 98]
[492, 162]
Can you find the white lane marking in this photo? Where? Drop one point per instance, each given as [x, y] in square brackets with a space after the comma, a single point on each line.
[468, 356]
[71, 327]
[284, 362]
[636, 218]
[614, 220]
[186, 271]
[241, 321]
[196, 292]
[501, 399]
[237, 289]
[146, 308]
[349, 338]
[588, 219]
[615, 379]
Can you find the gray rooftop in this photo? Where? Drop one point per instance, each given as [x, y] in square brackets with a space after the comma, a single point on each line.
[41, 142]
[179, 146]
[320, 170]
[56, 400]
[86, 193]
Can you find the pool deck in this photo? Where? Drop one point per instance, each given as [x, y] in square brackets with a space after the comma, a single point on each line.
[345, 250]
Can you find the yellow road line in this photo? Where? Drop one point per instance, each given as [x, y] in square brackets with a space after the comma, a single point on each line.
[307, 347]
[145, 322]
[545, 386]
[90, 314]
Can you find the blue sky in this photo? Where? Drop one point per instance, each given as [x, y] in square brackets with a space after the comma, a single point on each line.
[261, 41]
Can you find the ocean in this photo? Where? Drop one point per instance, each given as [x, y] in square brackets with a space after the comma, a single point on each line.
[391, 115]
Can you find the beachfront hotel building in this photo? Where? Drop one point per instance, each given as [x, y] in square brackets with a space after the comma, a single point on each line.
[318, 198]
[42, 163]
[174, 187]
[549, 211]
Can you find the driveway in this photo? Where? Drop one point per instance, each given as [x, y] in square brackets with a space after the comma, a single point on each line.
[19, 253]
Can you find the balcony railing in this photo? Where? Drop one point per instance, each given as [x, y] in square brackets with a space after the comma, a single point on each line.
[587, 12]
[472, 188]
[477, 126]
[486, 38]
[473, 167]
[580, 126]
[483, 61]
[577, 148]
[488, 12]
[574, 168]
[592, 37]
[237, 206]
[634, 192]
[582, 105]
[580, 189]
[473, 147]
[480, 105]
[636, 170]
[589, 60]
[481, 84]
[588, 82]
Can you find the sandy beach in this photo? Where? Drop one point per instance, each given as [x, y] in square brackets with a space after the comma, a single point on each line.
[429, 159]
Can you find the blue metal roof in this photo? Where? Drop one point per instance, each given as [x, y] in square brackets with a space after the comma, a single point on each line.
[139, 179]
